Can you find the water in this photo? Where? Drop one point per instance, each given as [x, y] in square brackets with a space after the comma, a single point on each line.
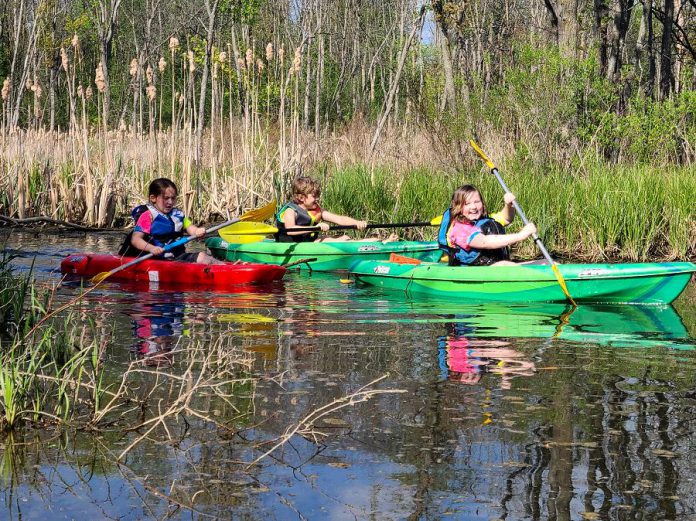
[486, 411]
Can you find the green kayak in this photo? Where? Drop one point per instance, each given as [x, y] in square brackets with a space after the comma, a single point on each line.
[329, 256]
[649, 283]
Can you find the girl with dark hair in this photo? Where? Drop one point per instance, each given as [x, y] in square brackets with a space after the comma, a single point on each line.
[159, 223]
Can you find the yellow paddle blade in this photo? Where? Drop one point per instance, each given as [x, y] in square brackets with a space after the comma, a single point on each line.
[481, 153]
[436, 221]
[244, 232]
[99, 277]
[260, 214]
[562, 283]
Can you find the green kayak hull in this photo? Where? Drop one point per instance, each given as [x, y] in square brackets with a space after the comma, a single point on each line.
[329, 256]
[648, 283]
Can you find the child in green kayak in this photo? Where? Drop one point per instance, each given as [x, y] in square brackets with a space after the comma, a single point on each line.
[159, 223]
[473, 238]
[304, 210]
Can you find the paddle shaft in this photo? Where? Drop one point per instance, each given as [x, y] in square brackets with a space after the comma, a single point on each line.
[520, 212]
[168, 247]
[354, 227]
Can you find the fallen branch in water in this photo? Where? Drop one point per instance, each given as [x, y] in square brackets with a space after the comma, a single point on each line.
[48, 220]
[306, 426]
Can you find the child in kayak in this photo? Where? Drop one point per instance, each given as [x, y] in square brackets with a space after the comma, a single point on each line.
[304, 210]
[159, 223]
[473, 238]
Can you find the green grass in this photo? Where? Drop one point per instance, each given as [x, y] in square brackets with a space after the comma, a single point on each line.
[637, 213]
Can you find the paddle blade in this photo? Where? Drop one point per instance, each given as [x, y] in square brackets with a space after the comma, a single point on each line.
[260, 214]
[99, 277]
[482, 154]
[562, 283]
[244, 232]
[436, 221]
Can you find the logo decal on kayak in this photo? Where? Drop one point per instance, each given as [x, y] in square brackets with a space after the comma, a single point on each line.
[381, 270]
[368, 248]
[153, 276]
[592, 272]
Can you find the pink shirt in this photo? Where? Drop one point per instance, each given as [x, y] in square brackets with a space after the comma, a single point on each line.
[461, 233]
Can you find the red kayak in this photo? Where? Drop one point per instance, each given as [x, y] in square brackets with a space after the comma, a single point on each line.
[171, 272]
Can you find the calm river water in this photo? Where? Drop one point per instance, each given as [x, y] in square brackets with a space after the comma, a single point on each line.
[494, 411]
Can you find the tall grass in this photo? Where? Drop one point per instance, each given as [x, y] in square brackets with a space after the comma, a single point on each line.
[635, 213]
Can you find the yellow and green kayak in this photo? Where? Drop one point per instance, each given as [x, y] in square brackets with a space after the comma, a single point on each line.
[647, 283]
[327, 256]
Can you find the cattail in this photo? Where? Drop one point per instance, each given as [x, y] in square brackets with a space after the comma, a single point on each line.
[216, 66]
[121, 125]
[75, 42]
[222, 57]
[88, 92]
[151, 91]
[269, 52]
[80, 92]
[281, 54]
[241, 64]
[99, 78]
[181, 99]
[37, 90]
[173, 43]
[162, 64]
[149, 73]
[297, 62]
[29, 84]
[133, 67]
[192, 61]
[6, 88]
[250, 58]
[64, 61]
[259, 65]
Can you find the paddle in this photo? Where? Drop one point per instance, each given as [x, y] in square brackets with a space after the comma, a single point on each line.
[246, 232]
[518, 208]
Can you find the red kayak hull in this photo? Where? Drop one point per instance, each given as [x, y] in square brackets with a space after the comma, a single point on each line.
[171, 272]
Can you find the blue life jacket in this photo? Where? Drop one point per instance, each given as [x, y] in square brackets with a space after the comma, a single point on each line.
[165, 228]
[473, 257]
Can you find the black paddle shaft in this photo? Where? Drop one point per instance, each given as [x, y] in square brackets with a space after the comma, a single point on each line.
[354, 227]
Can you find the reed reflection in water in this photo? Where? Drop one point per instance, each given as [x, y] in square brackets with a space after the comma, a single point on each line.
[510, 412]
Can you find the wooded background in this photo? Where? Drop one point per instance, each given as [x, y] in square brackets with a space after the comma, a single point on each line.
[352, 58]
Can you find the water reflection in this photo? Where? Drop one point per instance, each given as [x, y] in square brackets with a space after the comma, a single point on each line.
[510, 412]
[157, 325]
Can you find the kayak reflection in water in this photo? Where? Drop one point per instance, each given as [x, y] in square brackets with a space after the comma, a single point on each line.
[158, 327]
[466, 360]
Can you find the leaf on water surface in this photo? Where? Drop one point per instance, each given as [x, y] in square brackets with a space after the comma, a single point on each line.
[340, 465]
[336, 422]
[516, 464]
[664, 453]
[590, 515]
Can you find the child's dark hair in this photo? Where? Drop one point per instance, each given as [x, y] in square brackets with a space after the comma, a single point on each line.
[459, 198]
[158, 186]
[303, 185]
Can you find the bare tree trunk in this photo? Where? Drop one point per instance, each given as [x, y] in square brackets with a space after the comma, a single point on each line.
[564, 18]
[106, 30]
[397, 76]
[212, 21]
[652, 67]
[319, 74]
[666, 60]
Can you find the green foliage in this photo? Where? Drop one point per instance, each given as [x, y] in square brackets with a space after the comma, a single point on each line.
[627, 213]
